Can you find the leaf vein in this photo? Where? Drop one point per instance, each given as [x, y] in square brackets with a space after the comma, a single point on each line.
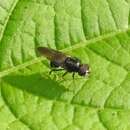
[13, 6]
[6, 103]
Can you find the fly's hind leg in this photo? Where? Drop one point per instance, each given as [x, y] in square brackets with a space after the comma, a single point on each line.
[55, 66]
[64, 74]
[54, 69]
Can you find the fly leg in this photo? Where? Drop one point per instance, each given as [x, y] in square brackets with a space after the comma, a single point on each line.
[55, 70]
[64, 74]
[73, 75]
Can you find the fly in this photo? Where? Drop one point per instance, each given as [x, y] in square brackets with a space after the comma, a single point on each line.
[59, 59]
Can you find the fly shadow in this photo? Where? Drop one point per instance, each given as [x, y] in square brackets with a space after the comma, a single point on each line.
[37, 85]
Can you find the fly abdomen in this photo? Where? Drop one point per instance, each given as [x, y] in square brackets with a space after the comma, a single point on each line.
[54, 64]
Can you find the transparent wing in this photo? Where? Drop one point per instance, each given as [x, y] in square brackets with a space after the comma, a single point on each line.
[52, 55]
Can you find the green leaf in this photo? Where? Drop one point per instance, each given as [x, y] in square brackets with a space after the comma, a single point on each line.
[95, 31]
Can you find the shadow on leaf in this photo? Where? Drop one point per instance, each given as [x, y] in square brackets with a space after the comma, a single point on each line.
[37, 85]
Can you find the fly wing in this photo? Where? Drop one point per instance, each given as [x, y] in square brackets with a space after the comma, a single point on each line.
[52, 54]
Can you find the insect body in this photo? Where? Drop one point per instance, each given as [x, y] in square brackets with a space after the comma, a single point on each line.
[59, 59]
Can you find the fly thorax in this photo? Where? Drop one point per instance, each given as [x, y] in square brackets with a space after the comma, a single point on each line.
[71, 65]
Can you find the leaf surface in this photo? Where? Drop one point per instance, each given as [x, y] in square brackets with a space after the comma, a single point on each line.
[97, 32]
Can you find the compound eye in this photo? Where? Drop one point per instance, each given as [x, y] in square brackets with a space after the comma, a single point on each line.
[84, 69]
[82, 73]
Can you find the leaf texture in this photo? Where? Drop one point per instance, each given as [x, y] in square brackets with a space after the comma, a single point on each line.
[95, 31]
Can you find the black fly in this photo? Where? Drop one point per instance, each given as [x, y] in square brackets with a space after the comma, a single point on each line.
[59, 59]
